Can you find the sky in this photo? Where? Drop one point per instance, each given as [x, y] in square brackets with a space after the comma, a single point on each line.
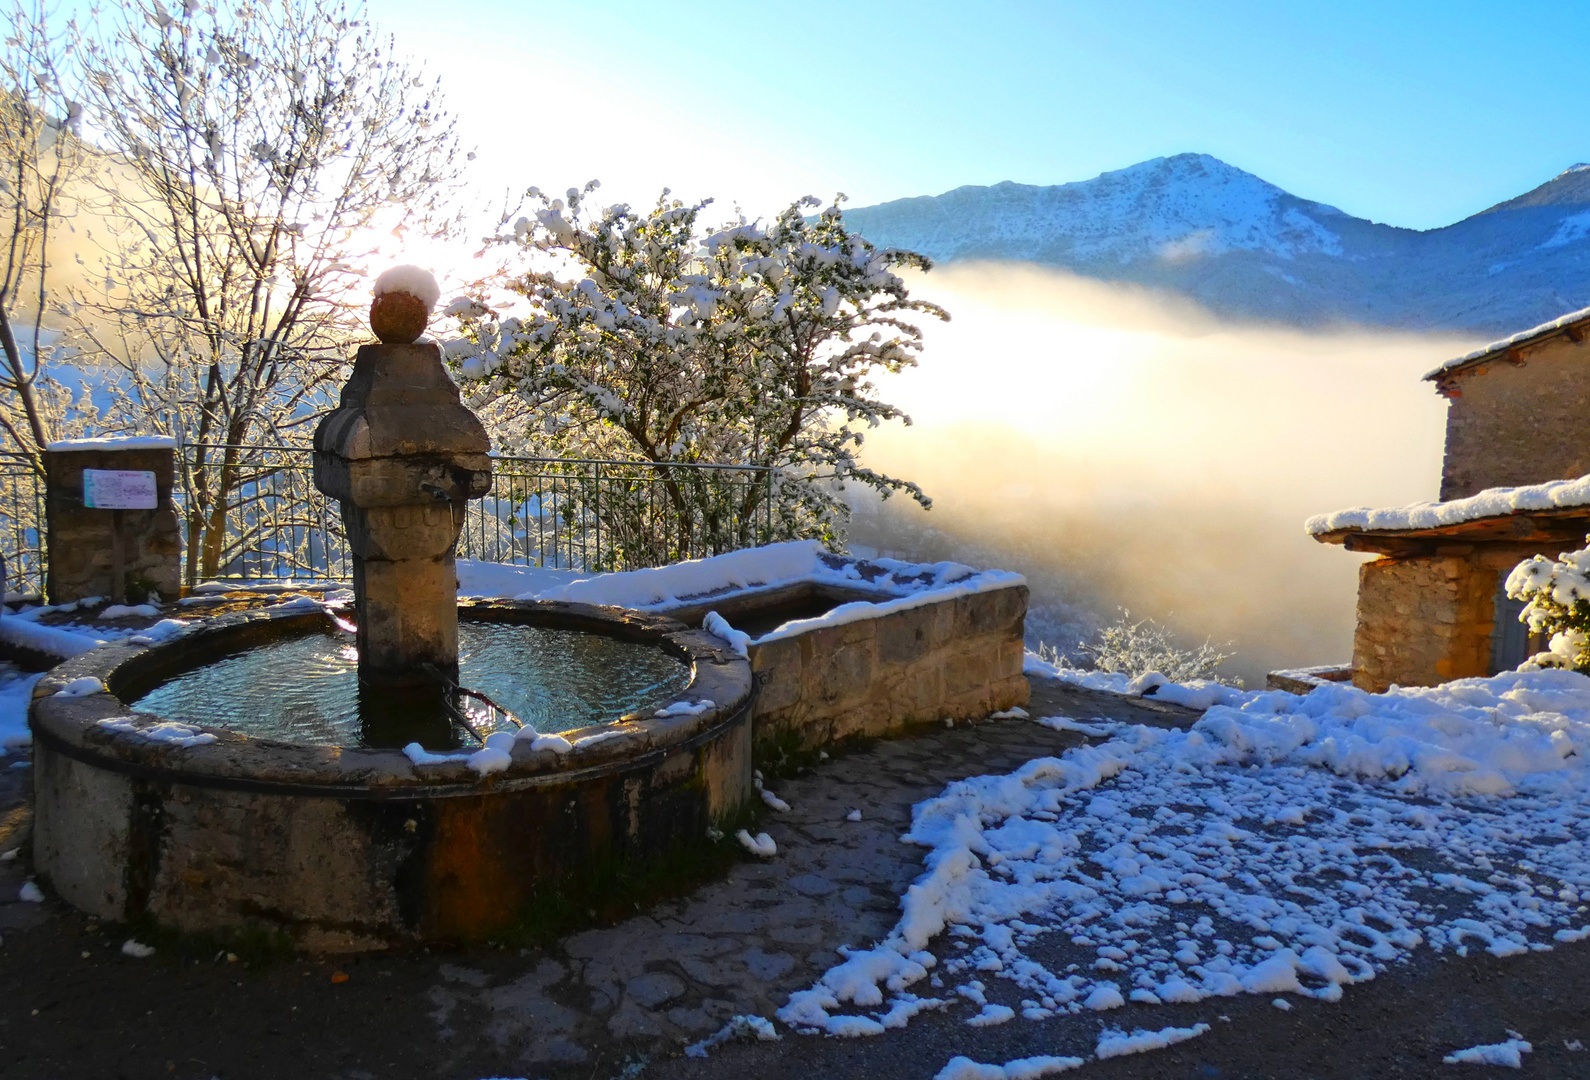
[1411, 113]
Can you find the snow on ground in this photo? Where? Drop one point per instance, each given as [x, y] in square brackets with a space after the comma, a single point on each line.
[1284, 845]
[1119, 1043]
[60, 641]
[16, 690]
[1198, 694]
[1509, 1054]
[1030, 1068]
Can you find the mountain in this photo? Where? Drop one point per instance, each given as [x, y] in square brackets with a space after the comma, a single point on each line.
[1243, 247]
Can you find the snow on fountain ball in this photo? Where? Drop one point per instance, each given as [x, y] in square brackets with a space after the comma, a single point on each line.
[404, 297]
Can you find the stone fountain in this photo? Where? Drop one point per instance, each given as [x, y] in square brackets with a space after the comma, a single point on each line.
[177, 782]
[403, 455]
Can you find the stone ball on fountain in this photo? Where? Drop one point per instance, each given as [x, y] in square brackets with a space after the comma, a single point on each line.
[404, 297]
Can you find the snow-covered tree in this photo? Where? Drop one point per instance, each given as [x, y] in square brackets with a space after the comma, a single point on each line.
[651, 337]
[254, 155]
[40, 156]
[1558, 595]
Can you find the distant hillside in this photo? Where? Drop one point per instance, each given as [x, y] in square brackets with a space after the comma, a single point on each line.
[1243, 247]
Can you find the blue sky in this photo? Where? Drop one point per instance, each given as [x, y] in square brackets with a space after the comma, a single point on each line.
[1415, 114]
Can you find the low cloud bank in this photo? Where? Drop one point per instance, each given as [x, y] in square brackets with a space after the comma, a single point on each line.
[1124, 448]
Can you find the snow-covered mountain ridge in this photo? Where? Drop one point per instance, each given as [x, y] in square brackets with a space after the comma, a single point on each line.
[1245, 248]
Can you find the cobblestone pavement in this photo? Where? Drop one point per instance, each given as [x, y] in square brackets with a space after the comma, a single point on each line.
[623, 1000]
[740, 945]
[644, 988]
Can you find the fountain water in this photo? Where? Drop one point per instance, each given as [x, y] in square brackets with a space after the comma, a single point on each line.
[173, 786]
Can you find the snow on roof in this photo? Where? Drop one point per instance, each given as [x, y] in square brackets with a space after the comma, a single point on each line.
[1492, 502]
[1582, 315]
[117, 442]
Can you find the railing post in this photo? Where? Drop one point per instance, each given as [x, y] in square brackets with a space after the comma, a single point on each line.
[598, 501]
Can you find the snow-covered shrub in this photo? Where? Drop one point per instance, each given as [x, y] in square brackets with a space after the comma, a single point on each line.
[649, 335]
[1558, 595]
[1139, 646]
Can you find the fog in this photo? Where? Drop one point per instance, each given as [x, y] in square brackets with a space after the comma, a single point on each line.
[1127, 449]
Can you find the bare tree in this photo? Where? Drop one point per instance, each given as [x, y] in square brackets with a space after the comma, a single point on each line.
[40, 155]
[257, 153]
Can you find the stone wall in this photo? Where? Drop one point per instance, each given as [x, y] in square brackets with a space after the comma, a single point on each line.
[1510, 424]
[957, 658]
[82, 541]
[1427, 619]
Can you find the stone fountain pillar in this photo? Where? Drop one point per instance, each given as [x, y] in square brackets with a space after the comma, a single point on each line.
[403, 455]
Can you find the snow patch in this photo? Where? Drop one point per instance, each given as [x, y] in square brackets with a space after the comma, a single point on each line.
[125, 611]
[115, 442]
[738, 1027]
[169, 732]
[1118, 1044]
[1028, 1068]
[23, 633]
[1509, 1054]
[413, 280]
[16, 693]
[684, 708]
[761, 845]
[738, 640]
[82, 686]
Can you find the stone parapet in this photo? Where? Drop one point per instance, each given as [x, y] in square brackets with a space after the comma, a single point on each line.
[85, 543]
[957, 658]
[1305, 680]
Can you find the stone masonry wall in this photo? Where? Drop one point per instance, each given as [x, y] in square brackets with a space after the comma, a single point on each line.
[80, 539]
[1427, 619]
[958, 658]
[1513, 425]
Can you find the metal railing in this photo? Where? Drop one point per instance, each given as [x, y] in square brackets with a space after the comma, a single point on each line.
[22, 525]
[252, 512]
[552, 512]
[616, 515]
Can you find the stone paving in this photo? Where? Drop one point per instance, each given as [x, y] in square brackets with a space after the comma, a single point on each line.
[642, 989]
[741, 945]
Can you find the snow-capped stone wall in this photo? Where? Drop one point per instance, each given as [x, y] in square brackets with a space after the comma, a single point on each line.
[958, 655]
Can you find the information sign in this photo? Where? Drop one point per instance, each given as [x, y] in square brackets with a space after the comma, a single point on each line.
[115, 489]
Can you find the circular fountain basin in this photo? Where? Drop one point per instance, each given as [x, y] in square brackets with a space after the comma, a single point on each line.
[342, 847]
[304, 688]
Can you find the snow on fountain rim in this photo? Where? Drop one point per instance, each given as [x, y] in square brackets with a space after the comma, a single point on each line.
[698, 582]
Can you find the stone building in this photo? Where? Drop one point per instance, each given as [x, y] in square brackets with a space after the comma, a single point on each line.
[1515, 482]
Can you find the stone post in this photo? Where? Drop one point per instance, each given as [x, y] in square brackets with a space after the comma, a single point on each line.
[96, 551]
[403, 455]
